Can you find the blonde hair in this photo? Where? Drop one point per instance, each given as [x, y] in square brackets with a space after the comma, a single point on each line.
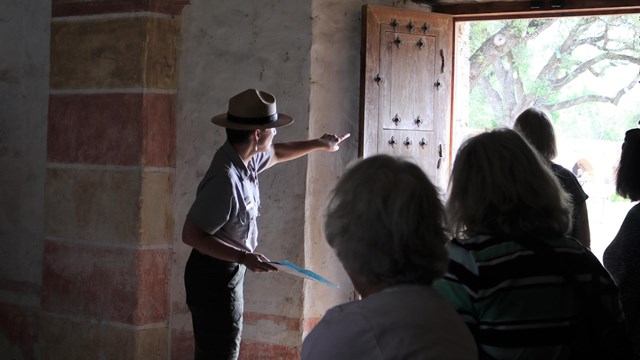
[534, 125]
[501, 186]
[386, 222]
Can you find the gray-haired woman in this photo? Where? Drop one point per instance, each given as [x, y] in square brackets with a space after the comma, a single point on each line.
[386, 224]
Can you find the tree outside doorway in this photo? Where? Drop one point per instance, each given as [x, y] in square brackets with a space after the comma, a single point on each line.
[583, 71]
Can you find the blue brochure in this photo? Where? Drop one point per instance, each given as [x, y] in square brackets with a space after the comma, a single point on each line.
[291, 268]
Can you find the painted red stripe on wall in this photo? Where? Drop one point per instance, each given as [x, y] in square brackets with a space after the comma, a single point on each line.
[113, 284]
[112, 129]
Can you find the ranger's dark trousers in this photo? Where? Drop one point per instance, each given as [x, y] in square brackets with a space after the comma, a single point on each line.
[214, 296]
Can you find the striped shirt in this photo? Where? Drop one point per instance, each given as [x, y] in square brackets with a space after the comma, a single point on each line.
[521, 303]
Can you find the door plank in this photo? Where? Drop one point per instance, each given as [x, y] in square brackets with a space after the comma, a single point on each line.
[406, 86]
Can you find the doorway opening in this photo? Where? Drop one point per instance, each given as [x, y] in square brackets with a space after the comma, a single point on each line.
[583, 71]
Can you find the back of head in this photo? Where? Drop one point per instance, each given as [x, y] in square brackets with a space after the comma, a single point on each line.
[534, 125]
[386, 222]
[501, 186]
[235, 136]
[628, 173]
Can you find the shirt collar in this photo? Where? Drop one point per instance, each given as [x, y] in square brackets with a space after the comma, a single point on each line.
[235, 158]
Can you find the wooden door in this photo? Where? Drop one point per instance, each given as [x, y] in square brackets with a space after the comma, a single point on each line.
[406, 76]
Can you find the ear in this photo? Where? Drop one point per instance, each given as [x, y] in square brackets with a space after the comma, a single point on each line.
[256, 133]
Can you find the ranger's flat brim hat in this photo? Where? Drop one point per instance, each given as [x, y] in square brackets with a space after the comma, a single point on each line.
[252, 109]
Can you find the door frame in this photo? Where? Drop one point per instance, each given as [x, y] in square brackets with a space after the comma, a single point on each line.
[538, 9]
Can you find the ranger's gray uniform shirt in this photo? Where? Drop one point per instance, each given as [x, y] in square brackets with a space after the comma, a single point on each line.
[228, 198]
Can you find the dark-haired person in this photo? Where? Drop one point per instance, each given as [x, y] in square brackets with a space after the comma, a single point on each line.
[536, 127]
[524, 289]
[221, 224]
[622, 256]
[386, 225]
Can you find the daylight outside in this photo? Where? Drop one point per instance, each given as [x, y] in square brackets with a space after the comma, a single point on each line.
[582, 71]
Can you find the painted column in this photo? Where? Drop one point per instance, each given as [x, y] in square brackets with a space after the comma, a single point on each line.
[109, 190]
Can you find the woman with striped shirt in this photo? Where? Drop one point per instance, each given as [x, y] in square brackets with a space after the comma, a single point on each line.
[524, 289]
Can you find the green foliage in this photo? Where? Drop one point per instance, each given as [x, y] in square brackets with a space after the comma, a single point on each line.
[595, 120]
[480, 114]
[522, 68]
[617, 198]
[519, 28]
[481, 30]
[541, 90]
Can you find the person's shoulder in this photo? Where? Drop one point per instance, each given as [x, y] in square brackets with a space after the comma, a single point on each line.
[340, 318]
[631, 223]
[563, 241]
[341, 333]
[559, 168]
[635, 210]
[569, 182]
[572, 251]
[219, 181]
[563, 173]
[423, 321]
[261, 159]
[222, 176]
[222, 162]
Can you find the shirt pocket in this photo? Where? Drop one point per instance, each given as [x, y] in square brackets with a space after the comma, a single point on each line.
[246, 228]
[248, 211]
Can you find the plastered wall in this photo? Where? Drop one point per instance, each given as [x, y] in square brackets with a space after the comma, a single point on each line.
[228, 47]
[334, 104]
[307, 53]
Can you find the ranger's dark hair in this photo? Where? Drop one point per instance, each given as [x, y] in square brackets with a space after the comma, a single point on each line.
[235, 136]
